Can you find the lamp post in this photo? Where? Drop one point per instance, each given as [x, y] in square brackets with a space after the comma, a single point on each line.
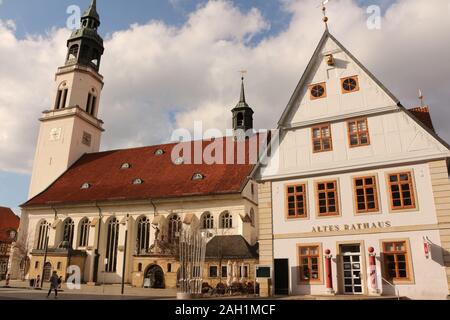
[45, 261]
[125, 254]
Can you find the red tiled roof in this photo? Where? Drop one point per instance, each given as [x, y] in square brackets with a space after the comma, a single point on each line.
[423, 115]
[161, 177]
[8, 221]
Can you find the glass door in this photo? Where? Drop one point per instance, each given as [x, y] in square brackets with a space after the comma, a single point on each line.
[351, 266]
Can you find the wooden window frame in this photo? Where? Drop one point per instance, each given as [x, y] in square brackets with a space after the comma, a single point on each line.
[304, 193]
[321, 127]
[357, 84]
[358, 133]
[318, 281]
[408, 261]
[217, 271]
[326, 191]
[323, 84]
[364, 186]
[411, 183]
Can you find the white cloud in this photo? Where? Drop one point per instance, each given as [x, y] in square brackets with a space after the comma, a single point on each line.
[158, 77]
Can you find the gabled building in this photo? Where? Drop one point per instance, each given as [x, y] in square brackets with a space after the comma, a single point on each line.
[355, 199]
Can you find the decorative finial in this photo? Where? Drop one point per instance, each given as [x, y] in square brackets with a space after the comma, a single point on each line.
[324, 10]
[421, 98]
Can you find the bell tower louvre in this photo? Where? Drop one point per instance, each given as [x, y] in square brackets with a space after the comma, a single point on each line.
[71, 127]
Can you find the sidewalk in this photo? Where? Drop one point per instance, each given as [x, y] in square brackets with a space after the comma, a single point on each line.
[108, 290]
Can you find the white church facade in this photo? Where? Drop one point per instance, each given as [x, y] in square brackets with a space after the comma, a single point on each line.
[356, 198]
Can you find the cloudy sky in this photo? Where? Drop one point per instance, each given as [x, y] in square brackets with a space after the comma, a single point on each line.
[169, 63]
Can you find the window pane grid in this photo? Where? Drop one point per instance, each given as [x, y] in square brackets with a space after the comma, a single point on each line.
[327, 198]
[401, 188]
[358, 133]
[396, 260]
[309, 258]
[322, 140]
[366, 194]
[296, 201]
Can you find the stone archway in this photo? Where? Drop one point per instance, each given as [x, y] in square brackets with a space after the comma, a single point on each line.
[154, 277]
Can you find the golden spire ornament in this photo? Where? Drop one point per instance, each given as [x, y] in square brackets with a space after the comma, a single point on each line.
[324, 10]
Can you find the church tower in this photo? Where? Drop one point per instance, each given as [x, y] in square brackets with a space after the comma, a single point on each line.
[71, 127]
[242, 113]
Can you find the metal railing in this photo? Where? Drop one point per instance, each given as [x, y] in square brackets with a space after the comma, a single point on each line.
[397, 292]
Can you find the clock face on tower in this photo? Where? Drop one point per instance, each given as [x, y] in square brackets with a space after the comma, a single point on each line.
[55, 134]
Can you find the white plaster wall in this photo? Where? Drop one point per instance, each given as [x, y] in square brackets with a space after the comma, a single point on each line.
[430, 281]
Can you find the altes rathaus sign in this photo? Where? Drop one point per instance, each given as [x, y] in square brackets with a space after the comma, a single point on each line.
[353, 227]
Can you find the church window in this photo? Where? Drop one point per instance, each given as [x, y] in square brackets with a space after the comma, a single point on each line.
[402, 191]
[318, 91]
[350, 84]
[68, 232]
[240, 119]
[309, 263]
[226, 220]
[253, 217]
[73, 52]
[174, 228]
[322, 140]
[224, 271]
[143, 236]
[296, 201]
[358, 133]
[91, 104]
[111, 245]
[138, 181]
[213, 272]
[64, 99]
[42, 235]
[58, 99]
[396, 260]
[366, 194]
[327, 198]
[197, 177]
[139, 267]
[84, 233]
[207, 221]
[169, 267]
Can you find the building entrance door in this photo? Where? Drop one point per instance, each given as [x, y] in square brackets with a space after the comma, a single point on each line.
[154, 277]
[281, 277]
[352, 269]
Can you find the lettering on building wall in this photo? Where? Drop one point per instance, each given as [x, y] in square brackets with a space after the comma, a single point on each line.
[353, 227]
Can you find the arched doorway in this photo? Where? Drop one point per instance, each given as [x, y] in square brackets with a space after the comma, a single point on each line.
[47, 271]
[154, 277]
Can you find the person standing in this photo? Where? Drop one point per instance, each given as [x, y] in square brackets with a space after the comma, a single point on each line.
[37, 285]
[54, 284]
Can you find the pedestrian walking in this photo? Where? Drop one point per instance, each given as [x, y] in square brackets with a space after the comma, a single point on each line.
[53, 284]
[60, 281]
[8, 278]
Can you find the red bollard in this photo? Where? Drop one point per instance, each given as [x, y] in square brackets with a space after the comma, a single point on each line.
[329, 272]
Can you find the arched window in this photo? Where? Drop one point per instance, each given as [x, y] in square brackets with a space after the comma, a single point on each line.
[111, 245]
[143, 235]
[73, 52]
[226, 220]
[42, 235]
[91, 103]
[61, 96]
[174, 228]
[68, 232]
[139, 267]
[84, 233]
[240, 119]
[252, 217]
[207, 221]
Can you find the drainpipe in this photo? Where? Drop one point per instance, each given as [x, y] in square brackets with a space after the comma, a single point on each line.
[97, 249]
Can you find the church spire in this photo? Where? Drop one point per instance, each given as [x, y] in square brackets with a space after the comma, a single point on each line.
[85, 44]
[242, 113]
